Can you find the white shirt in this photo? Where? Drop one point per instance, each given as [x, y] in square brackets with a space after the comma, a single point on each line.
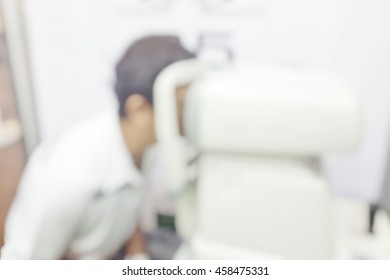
[79, 196]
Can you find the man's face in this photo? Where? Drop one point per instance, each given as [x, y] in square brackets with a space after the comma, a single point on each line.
[140, 114]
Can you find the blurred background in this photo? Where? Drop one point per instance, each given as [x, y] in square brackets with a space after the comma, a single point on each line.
[57, 59]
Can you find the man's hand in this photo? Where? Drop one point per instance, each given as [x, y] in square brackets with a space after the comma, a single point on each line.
[136, 246]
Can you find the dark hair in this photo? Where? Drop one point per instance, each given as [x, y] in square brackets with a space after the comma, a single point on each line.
[142, 62]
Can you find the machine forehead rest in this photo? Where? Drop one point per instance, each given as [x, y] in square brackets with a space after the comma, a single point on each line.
[272, 110]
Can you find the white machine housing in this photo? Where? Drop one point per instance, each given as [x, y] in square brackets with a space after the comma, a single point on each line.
[271, 110]
[260, 191]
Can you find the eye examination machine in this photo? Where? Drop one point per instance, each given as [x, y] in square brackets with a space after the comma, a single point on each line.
[250, 183]
[285, 153]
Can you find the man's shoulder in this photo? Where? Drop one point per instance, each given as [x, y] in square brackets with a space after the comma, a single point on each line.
[77, 155]
[79, 140]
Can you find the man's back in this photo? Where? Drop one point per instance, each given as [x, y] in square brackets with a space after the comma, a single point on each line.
[78, 198]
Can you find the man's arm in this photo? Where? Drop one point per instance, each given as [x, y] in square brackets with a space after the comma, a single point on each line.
[136, 246]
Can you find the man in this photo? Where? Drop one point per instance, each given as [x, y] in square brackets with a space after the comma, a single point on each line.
[80, 196]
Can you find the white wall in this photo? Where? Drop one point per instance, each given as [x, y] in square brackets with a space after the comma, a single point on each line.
[75, 44]
[63, 51]
[363, 57]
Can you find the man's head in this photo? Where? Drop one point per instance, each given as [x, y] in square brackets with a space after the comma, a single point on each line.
[136, 73]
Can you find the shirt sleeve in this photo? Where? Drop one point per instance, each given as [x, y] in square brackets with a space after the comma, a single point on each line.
[43, 218]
